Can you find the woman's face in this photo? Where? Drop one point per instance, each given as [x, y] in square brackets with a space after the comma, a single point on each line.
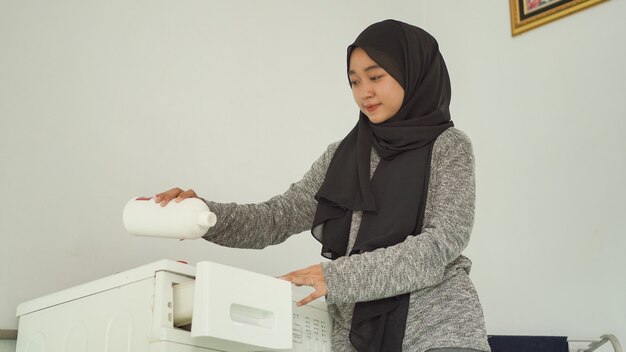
[376, 92]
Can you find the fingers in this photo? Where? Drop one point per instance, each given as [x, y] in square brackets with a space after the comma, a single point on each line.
[310, 298]
[190, 193]
[312, 276]
[319, 286]
[175, 193]
[299, 280]
[301, 277]
[311, 270]
[165, 197]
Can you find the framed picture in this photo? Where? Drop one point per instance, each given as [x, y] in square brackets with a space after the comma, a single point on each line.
[528, 14]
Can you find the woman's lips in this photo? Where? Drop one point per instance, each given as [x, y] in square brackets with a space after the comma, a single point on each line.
[371, 108]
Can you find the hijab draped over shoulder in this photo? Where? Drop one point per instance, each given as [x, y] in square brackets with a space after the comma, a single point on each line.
[393, 200]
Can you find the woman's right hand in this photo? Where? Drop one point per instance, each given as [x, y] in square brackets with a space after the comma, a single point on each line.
[176, 194]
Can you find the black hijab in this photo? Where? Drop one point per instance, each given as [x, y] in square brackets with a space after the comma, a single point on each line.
[393, 201]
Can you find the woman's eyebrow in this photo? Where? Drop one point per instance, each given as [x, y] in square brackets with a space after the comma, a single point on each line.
[368, 68]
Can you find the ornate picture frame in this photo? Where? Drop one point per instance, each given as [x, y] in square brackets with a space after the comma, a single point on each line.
[528, 14]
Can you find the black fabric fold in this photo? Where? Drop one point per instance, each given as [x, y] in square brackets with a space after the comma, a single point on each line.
[379, 325]
[393, 199]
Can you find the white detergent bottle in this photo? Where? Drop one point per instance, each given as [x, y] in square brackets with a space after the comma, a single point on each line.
[185, 220]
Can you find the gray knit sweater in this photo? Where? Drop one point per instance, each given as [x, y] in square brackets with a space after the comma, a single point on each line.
[444, 309]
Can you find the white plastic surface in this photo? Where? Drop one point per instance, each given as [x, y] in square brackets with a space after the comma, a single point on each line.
[311, 324]
[183, 303]
[188, 219]
[312, 327]
[136, 310]
[237, 305]
[104, 284]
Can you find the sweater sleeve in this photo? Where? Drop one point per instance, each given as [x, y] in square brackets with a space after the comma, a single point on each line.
[420, 261]
[271, 222]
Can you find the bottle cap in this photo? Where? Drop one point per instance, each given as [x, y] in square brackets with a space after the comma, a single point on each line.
[207, 219]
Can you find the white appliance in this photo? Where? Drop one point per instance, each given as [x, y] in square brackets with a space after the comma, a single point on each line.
[169, 306]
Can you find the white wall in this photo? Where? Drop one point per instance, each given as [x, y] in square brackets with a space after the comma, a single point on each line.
[545, 111]
[101, 101]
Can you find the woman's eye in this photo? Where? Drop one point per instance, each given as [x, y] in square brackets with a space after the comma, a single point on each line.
[376, 78]
[353, 83]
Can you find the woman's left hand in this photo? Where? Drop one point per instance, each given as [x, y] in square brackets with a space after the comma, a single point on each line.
[312, 276]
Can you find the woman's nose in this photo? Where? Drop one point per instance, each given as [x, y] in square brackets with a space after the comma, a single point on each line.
[366, 90]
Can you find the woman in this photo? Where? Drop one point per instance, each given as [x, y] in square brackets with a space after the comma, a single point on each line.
[392, 205]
